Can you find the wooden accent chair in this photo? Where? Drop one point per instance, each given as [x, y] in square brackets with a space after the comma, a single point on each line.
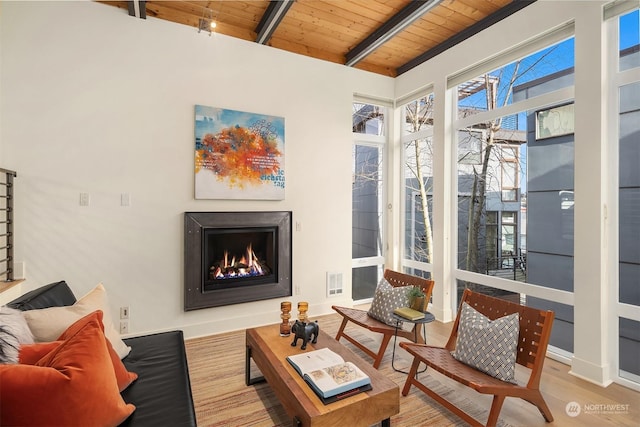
[361, 318]
[535, 329]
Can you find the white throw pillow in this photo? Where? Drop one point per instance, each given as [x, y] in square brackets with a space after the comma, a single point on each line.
[14, 331]
[47, 324]
[15, 321]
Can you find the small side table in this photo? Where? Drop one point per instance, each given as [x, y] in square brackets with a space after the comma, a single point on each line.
[428, 318]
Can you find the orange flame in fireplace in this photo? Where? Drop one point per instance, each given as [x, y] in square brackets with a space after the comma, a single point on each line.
[247, 265]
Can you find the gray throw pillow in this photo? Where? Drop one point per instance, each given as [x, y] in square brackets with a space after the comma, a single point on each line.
[489, 346]
[386, 299]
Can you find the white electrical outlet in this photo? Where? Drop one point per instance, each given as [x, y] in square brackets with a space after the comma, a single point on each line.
[124, 312]
[19, 270]
[124, 327]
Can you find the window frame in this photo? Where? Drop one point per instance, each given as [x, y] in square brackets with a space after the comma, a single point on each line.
[379, 142]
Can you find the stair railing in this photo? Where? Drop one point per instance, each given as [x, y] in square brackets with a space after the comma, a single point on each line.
[6, 223]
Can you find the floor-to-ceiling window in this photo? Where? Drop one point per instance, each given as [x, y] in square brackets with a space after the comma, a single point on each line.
[515, 179]
[369, 127]
[511, 219]
[417, 173]
[625, 90]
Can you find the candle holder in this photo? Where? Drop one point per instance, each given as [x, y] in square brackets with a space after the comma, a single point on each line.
[303, 306]
[285, 326]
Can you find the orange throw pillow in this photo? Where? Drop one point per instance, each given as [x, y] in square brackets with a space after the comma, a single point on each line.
[124, 377]
[30, 353]
[73, 385]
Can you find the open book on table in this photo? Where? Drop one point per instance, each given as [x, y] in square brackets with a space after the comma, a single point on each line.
[328, 374]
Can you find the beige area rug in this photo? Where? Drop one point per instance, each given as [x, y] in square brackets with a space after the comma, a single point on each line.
[217, 370]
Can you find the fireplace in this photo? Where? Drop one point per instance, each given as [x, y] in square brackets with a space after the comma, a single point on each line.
[236, 257]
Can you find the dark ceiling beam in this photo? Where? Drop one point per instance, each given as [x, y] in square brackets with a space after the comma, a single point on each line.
[137, 8]
[271, 19]
[401, 20]
[498, 16]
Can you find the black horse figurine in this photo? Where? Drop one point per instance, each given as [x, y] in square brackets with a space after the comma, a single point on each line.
[304, 331]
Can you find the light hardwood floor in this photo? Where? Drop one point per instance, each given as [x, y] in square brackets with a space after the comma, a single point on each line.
[559, 388]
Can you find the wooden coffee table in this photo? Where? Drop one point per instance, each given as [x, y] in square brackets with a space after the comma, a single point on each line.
[268, 350]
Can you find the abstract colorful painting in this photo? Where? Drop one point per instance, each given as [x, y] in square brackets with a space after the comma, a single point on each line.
[238, 155]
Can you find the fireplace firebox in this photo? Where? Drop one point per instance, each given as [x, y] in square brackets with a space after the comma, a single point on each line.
[239, 256]
[236, 257]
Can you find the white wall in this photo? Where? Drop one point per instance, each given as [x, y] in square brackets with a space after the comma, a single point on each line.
[96, 101]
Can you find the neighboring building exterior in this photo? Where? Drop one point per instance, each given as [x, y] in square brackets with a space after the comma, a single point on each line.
[550, 219]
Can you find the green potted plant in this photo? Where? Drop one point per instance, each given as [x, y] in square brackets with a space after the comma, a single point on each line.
[416, 298]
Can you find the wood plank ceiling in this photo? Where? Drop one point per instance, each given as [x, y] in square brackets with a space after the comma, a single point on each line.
[387, 37]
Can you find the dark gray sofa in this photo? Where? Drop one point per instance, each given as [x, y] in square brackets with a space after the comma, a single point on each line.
[162, 392]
